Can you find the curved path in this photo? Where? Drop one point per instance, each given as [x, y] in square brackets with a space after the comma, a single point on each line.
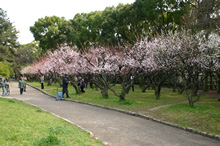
[117, 129]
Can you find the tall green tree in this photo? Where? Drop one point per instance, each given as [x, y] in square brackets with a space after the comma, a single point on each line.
[203, 15]
[113, 26]
[5, 70]
[87, 29]
[8, 37]
[51, 32]
[159, 15]
[108, 30]
[27, 54]
[123, 29]
[81, 33]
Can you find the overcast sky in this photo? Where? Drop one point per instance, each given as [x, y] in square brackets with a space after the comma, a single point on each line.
[24, 13]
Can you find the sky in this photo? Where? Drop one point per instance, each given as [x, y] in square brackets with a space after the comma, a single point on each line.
[24, 13]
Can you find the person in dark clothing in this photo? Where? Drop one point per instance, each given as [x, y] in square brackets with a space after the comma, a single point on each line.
[83, 86]
[42, 82]
[65, 85]
[86, 82]
[132, 83]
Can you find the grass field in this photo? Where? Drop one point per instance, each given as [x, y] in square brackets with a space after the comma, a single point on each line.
[23, 124]
[201, 117]
[204, 116]
[135, 101]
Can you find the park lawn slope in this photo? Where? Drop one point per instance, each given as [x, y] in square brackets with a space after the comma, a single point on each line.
[24, 124]
[205, 118]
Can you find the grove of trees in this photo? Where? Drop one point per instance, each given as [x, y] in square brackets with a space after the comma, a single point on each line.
[158, 42]
[181, 55]
[123, 24]
[14, 56]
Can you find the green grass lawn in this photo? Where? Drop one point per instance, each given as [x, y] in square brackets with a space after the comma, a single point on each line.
[201, 117]
[205, 116]
[135, 101]
[24, 124]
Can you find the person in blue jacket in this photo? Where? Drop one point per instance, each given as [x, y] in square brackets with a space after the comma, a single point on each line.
[65, 86]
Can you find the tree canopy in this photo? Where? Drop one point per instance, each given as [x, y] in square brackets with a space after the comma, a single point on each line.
[126, 23]
[51, 32]
[8, 37]
[27, 54]
[5, 70]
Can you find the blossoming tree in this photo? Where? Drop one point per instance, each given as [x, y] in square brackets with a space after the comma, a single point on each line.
[181, 54]
[190, 56]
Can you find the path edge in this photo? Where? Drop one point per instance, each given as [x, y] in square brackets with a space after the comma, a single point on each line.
[188, 129]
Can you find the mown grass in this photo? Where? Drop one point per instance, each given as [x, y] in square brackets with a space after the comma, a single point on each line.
[205, 116]
[200, 117]
[23, 124]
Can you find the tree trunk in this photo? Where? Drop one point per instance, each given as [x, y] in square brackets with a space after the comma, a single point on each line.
[141, 83]
[211, 81]
[174, 83]
[49, 83]
[205, 84]
[105, 93]
[191, 103]
[174, 88]
[195, 91]
[123, 93]
[190, 98]
[122, 96]
[91, 85]
[77, 89]
[157, 92]
[144, 88]
[180, 90]
[218, 84]
[169, 83]
[195, 85]
[96, 88]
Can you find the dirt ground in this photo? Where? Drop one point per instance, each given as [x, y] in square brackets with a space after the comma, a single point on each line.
[212, 93]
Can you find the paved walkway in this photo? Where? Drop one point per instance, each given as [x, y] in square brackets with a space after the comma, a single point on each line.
[117, 129]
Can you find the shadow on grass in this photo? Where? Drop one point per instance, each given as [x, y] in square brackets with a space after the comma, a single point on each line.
[52, 138]
[126, 102]
[14, 101]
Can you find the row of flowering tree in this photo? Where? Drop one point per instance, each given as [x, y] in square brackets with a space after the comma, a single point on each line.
[183, 55]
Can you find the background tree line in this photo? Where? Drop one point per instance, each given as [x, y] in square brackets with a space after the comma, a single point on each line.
[178, 58]
[123, 24]
[114, 26]
[14, 56]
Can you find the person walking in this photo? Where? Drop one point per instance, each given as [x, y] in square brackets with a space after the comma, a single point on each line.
[2, 84]
[132, 83]
[65, 86]
[86, 82]
[82, 86]
[21, 85]
[25, 83]
[42, 82]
